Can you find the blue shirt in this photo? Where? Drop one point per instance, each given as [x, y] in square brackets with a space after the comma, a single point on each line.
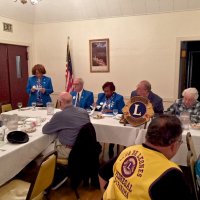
[116, 101]
[86, 99]
[45, 83]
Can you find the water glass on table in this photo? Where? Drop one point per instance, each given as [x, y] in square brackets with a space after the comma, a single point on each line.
[50, 108]
[115, 112]
[2, 134]
[19, 105]
[33, 106]
[185, 120]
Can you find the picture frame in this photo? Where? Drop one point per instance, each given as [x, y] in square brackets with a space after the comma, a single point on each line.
[99, 55]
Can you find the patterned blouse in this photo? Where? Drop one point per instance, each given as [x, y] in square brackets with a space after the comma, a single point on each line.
[39, 101]
[179, 107]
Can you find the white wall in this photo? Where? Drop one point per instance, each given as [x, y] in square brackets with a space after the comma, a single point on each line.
[22, 35]
[141, 47]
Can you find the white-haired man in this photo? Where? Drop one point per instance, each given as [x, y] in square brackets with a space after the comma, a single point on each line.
[188, 103]
[81, 97]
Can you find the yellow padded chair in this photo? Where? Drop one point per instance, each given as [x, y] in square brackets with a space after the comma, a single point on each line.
[6, 107]
[19, 189]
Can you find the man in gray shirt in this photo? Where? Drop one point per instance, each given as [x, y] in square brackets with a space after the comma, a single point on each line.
[66, 124]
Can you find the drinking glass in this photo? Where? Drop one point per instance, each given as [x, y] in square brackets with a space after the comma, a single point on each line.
[185, 119]
[115, 112]
[19, 104]
[50, 108]
[33, 105]
[2, 134]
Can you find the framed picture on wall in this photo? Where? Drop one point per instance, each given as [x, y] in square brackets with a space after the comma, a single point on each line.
[99, 55]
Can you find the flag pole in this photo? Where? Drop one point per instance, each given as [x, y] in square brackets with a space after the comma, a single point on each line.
[69, 71]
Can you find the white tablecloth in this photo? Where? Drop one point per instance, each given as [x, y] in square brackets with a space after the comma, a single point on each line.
[109, 130]
[181, 157]
[17, 156]
[29, 112]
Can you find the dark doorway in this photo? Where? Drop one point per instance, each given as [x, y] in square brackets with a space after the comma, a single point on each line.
[189, 66]
[13, 74]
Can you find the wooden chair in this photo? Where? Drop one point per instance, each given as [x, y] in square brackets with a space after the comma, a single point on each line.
[191, 161]
[190, 144]
[6, 107]
[42, 180]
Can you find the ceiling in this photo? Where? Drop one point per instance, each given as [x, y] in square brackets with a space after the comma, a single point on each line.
[71, 10]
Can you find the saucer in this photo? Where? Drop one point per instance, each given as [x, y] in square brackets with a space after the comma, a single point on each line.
[98, 117]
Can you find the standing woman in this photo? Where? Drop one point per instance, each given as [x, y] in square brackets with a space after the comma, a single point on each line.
[39, 87]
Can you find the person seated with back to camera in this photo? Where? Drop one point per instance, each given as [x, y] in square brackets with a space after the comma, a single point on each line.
[144, 89]
[188, 103]
[145, 171]
[108, 101]
[81, 97]
[66, 124]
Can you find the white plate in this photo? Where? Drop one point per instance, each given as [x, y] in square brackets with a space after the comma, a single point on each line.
[118, 117]
[107, 115]
[31, 120]
[195, 126]
[29, 130]
[98, 117]
[27, 108]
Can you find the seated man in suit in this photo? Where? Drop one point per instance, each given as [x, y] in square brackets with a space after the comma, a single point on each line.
[144, 89]
[66, 124]
[81, 98]
[109, 99]
[188, 103]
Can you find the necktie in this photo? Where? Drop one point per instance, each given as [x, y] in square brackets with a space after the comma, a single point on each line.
[78, 101]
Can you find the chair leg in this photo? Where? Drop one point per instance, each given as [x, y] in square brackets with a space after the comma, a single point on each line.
[101, 159]
[77, 194]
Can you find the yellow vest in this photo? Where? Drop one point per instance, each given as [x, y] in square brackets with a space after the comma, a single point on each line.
[135, 170]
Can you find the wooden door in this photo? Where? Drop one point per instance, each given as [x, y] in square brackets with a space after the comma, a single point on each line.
[4, 76]
[189, 66]
[18, 74]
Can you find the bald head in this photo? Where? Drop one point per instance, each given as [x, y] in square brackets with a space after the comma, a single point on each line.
[143, 88]
[65, 100]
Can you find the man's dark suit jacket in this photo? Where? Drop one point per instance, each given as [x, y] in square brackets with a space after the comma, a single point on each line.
[155, 100]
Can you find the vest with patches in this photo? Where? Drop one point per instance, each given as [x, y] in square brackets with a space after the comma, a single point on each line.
[134, 173]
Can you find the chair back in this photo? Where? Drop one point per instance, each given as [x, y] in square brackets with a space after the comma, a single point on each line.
[191, 161]
[83, 159]
[6, 107]
[44, 177]
[190, 144]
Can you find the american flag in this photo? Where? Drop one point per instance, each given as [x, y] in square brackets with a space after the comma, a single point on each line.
[69, 73]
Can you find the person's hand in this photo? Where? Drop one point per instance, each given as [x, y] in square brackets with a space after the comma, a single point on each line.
[42, 90]
[33, 89]
[94, 104]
